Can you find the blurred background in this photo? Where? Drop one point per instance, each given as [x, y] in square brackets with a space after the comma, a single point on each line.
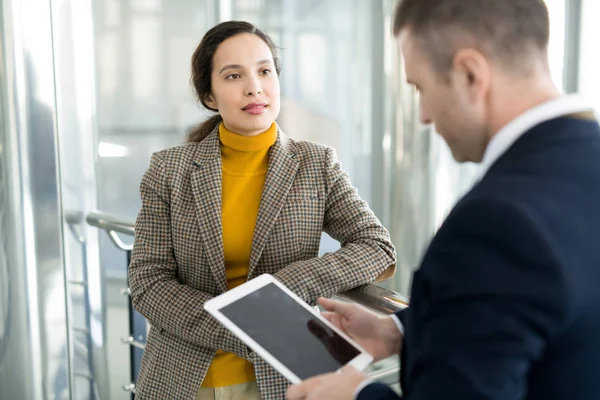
[89, 89]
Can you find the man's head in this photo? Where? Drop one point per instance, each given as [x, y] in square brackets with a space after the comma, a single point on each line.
[476, 63]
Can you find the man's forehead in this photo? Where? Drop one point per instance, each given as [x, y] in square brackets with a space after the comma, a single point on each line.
[407, 49]
[406, 43]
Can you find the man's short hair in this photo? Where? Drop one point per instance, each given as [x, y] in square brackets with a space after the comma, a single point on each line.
[511, 32]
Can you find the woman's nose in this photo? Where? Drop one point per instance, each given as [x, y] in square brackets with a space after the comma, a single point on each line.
[254, 87]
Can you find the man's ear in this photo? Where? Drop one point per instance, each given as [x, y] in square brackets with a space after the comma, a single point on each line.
[473, 70]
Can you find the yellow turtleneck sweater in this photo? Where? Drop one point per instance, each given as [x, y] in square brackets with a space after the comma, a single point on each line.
[245, 161]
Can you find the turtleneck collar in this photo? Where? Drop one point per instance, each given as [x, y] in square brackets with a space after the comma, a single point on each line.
[242, 143]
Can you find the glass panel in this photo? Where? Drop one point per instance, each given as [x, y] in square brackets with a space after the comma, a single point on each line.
[589, 79]
[144, 104]
[34, 337]
[556, 48]
[144, 100]
[73, 58]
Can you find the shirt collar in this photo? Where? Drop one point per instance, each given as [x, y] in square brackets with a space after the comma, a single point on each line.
[512, 131]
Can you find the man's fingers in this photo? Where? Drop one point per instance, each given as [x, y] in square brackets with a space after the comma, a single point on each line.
[296, 392]
[299, 391]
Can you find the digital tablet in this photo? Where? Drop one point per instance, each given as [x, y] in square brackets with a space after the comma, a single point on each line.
[285, 331]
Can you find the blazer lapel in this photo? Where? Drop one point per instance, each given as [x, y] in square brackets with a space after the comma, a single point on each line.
[206, 189]
[283, 166]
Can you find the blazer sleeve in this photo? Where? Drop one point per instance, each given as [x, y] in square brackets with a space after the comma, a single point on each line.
[490, 296]
[366, 250]
[155, 290]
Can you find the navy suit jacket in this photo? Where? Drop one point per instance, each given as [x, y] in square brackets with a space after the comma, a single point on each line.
[506, 303]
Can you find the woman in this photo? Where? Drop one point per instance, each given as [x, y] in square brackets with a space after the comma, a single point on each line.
[238, 200]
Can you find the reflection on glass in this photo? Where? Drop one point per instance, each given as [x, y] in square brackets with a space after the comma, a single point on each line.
[342, 351]
[106, 149]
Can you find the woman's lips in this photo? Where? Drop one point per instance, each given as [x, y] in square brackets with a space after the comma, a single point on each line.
[255, 109]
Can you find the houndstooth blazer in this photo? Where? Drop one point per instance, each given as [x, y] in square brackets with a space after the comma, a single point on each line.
[177, 262]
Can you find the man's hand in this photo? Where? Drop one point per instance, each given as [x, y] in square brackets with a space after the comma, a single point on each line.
[378, 335]
[335, 386]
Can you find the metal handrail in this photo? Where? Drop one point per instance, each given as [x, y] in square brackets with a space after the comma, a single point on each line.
[376, 298]
[130, 340]
[110, 223]
[113, 225]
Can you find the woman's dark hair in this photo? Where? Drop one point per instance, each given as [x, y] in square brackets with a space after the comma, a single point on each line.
[202, 67]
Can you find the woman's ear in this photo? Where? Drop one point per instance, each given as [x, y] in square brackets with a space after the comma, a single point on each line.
[211, 102]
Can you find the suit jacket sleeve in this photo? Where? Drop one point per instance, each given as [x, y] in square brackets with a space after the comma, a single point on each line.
[400, 314]
[377, 391]
[366, 251]
[487, 299]
[155, 290]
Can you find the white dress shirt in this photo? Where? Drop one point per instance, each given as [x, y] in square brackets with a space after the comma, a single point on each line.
[511, 132]
[504, 139]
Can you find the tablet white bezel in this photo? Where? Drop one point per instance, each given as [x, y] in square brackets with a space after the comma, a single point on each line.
[214, 305]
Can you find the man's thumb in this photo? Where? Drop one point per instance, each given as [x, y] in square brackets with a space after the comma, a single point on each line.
[334, 306]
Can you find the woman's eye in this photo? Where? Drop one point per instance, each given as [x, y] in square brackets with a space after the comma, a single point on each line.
[266, 72]
[233, 76]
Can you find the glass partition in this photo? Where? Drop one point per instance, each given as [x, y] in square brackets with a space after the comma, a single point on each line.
[589, 62]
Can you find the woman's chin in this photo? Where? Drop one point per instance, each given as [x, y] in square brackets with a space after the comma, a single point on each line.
[258, 126]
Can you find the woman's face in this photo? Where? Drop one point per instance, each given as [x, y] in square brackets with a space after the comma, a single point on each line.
[245, 85]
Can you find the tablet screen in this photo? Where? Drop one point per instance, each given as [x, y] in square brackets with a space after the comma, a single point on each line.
[299, 340]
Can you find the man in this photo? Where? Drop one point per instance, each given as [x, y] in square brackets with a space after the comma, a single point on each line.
[506, 303]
